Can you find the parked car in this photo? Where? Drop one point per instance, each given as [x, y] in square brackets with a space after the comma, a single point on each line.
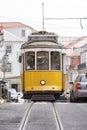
[79, 88]
[13, 96]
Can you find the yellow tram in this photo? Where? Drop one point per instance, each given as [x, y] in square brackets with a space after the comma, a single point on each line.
[43, 72]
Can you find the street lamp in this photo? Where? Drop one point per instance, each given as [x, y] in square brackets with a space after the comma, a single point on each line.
[4, 68]
[4, 65]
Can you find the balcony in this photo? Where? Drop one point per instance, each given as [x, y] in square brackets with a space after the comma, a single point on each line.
[82, 66]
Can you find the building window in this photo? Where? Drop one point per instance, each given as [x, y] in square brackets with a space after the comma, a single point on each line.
[83, 57]
[8, 49]
[9, 67]
[23, 33]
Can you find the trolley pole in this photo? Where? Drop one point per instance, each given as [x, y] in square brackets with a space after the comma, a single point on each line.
[43, 16]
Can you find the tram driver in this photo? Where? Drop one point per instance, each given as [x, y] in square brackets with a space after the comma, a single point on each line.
[30, 58]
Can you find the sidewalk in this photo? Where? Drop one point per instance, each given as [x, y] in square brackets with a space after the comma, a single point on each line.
[2, 101]
[67, 91]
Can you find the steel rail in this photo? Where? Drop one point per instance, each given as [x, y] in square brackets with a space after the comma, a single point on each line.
[25, 118]
[60, 127]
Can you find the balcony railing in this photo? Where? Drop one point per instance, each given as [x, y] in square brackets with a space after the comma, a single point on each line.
[71, 67]
[82, 66]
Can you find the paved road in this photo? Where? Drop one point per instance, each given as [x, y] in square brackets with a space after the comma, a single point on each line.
[72, 115]
[11, 115]
[42, 117]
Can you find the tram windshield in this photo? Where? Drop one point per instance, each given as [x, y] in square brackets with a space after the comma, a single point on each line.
[30, 60]
[42, 60]
[55, 60]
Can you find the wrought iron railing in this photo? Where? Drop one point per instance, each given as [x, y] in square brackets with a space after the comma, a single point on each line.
[82, 66]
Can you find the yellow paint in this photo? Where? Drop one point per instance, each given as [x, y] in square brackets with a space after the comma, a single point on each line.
[53, 80]
[64, 81]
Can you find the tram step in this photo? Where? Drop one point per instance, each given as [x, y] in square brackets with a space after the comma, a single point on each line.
[42, 97]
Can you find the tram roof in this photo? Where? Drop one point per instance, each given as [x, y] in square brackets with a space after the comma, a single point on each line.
[42, 45]
[42, 39]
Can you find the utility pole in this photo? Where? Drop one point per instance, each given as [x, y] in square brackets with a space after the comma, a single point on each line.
[1, 38]
[1, 43]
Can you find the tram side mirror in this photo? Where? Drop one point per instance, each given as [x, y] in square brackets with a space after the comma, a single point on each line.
[71, 83]
[20, 59]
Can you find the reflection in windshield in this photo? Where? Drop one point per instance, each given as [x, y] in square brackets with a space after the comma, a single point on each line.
[83, 79]
[55, 61]
[42, 60]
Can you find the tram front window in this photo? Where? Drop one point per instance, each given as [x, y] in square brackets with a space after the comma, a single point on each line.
[55, 61]
[42, 60]
[30, 60]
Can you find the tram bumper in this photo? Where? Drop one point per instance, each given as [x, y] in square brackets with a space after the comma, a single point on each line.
[42, 94]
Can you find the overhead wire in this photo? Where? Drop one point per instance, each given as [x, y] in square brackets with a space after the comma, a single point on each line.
[39, 21]
[68, 19]
[53, 26]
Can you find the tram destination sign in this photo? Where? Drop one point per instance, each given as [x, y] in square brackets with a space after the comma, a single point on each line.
[42, 38]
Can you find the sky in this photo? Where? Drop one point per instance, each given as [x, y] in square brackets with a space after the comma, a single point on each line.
[30, 12]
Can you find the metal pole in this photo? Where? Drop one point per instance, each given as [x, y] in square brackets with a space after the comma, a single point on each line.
[1, 35]
[3, 75]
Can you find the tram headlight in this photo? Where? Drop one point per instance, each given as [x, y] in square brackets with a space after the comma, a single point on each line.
[42, 82]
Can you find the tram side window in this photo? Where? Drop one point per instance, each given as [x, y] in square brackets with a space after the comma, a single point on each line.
[42, 60]
[30, 60]
[55, 60]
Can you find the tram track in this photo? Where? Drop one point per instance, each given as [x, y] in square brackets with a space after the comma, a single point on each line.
[25, 118]
[54, 111]
[58, 121]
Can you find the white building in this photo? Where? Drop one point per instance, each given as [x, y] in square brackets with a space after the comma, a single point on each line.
[82, 68]
[15, 34]
[76, 58]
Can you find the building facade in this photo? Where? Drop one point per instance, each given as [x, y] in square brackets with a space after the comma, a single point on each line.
[15, 34]
[82, 67]
[76, 58]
